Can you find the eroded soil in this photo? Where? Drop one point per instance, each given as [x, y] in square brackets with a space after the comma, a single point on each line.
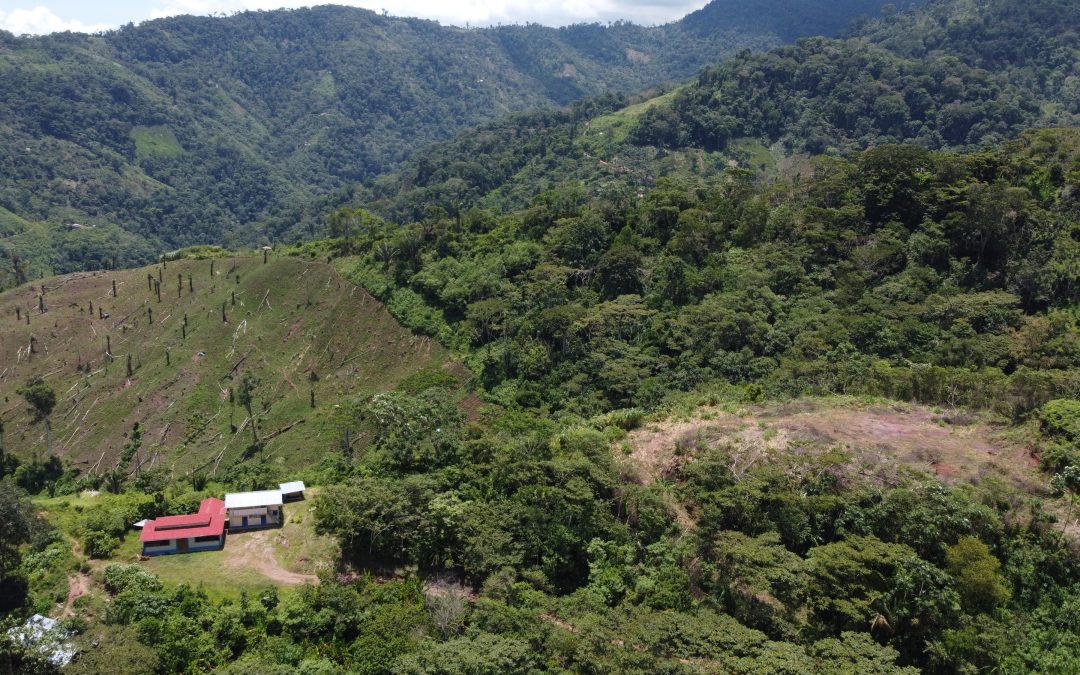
[881, 440]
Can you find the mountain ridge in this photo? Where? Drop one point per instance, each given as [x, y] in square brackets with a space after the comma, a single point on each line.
[272, 114]
[927, 77]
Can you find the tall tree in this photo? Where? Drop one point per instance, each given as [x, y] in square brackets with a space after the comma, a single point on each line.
[42, 400]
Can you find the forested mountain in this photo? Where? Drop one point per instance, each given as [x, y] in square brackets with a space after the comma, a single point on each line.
[240, 129]
[953, 74]
[942, 278]
[704, 401]
[838, 279]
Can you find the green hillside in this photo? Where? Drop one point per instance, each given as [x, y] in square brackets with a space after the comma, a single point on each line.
[241, 129]
[950, 75]
[920, 271]
[296, 326]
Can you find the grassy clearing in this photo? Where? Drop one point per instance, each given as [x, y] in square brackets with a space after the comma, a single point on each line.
[207, 570]
[155, 141]
[753, 153]
[615, 127]
[297, 546]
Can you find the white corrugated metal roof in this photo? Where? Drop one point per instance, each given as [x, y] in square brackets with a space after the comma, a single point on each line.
[294, 486]
[246, 500]
[139, 525]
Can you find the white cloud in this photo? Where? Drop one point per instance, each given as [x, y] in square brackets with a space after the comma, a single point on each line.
[41, 20]
[473, 12]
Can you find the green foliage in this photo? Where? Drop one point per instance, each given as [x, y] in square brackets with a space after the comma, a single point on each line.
[484, 654]
[899, 272]
[763, 584]
[19, 525]
[40, 396]
[977, 574]
[886, 84]
[851, 579]
[98, 544]
[165, 125]
[120, 578]
[1061, 418]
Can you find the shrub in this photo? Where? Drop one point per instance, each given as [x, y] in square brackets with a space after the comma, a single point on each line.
[1061, 418]
[100, 544]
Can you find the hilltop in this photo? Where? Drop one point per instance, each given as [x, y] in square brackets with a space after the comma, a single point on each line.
[297, 326]
[242, 129]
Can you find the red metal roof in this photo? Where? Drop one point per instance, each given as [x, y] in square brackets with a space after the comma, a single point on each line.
[208, 522]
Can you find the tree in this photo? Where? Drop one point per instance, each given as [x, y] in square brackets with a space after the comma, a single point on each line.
[619, 271]
[17, 521]
[42, 400]
[344, 222]
[18, 525]
[976, 574]
[481, 654]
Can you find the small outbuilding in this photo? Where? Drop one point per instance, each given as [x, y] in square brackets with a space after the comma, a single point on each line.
[250, 510]
[202, 531]
[292, 491]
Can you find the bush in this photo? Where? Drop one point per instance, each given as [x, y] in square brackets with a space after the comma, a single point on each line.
[1061, 418]
[100, 544]
[119, 578]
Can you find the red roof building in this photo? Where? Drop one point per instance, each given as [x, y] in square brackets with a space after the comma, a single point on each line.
[202, 531]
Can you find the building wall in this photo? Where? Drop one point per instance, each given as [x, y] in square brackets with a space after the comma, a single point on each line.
[158, 548]
[217, 543]
[255, 517]
[173, 546]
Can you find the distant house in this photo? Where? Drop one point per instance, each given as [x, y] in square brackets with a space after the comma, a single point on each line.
[202, 531]
[293, 491]
[249, 510]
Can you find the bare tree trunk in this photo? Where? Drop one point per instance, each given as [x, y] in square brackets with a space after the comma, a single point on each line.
[254, 432]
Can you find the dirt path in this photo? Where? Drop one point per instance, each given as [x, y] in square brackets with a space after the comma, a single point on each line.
[78, 586]
[255, 551]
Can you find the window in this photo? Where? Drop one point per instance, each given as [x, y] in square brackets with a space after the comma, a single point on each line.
[208, 538]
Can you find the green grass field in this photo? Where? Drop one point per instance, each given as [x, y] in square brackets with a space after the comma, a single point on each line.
[155, 141]
[615, 127]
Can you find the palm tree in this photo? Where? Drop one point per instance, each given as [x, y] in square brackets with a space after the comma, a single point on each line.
[114, 480]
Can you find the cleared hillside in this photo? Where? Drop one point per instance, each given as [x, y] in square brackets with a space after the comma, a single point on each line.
[297, 326]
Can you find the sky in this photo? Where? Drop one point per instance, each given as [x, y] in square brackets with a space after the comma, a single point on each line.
[49, 16]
